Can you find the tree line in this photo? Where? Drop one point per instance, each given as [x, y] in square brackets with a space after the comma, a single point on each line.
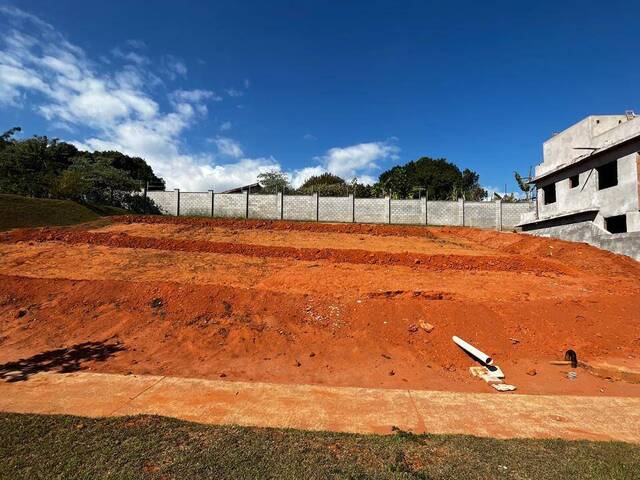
[436, 178]
[44, 167]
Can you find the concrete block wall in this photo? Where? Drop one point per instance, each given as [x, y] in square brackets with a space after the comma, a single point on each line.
[408, 211]
[299, 207]
[476, 214]
[195, 204]
[341, 209]
[443, 213]
[167, 201]
[230, 205]
[512, 213]
[264, 206]
[335, 209]
[372, 210]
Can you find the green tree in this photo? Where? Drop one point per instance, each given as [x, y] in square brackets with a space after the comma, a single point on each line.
[41, 167]
[274, 181]
[135, 167]
[31, 167]
[523, 184]
[441, 179]
[7, 137]
[326, 184]
[95, 181]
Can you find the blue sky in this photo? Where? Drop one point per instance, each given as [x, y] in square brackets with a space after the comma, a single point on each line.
[212, 93]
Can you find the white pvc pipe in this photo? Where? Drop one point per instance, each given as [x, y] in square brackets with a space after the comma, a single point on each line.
[483, 357]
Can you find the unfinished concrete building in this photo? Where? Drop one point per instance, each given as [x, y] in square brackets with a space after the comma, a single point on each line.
[588, 186]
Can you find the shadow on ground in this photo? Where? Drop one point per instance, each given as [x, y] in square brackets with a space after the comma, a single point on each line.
[62, 360]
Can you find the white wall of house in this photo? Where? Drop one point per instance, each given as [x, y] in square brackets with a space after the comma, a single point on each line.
[595, 131]
[620, 135]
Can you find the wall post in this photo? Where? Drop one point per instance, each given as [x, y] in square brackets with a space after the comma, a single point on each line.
[212, 202]
[461, 211]
[498, 203]
[280, 204]
[426, 207]
[423, 210]
[177, 190]
[388, 209]
[246, 203]
[316, 196]
[353, 207]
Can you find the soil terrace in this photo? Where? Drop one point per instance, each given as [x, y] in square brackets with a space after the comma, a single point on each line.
[310, 303]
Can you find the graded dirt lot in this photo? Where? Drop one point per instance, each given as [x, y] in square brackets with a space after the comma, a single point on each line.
[309, 303]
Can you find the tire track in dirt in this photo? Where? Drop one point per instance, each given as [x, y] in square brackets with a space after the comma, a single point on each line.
[439, 262]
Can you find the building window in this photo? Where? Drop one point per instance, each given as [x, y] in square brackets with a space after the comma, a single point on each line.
[617, 224]
[608, 175]
[549, 194]
[574, 181]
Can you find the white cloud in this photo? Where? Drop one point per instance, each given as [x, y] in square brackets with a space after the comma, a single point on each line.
[117, 108]
[350, 161]
[298, 177]
[225, 126]
[132, 57]
[360, 161]
[195, 96]
[500, 191]
[174, 67]
[243, 172]
[136, 43]
[308, 136]
[228, 147]
[232, 92]
[117, 111]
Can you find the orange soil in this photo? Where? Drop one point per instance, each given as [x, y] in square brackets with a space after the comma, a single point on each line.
[332, 304]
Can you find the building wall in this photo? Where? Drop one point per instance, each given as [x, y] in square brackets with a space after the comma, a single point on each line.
[596, 131]
[617, 200]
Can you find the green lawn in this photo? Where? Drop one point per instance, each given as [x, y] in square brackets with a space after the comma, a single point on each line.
[18, 212]
[39, 446]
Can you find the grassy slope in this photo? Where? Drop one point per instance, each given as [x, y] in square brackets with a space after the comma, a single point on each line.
[33, 446]
[17, 212]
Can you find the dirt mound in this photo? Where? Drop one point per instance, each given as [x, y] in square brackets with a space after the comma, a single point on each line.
[215, 331]
[581, 256]
[286, 311]
[432, 262]
[278, 225]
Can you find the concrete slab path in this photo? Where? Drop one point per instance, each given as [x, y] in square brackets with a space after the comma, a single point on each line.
[311, 407]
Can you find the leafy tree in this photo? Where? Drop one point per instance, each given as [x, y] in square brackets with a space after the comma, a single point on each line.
[322, 180]
[136, 167]
[442, 179]
[274, 181]
[522, 183]
[326, 184]
[7, 137]
[42, 167]
[94, 181]
[361, 190]
[470, 186]
[31, 167]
